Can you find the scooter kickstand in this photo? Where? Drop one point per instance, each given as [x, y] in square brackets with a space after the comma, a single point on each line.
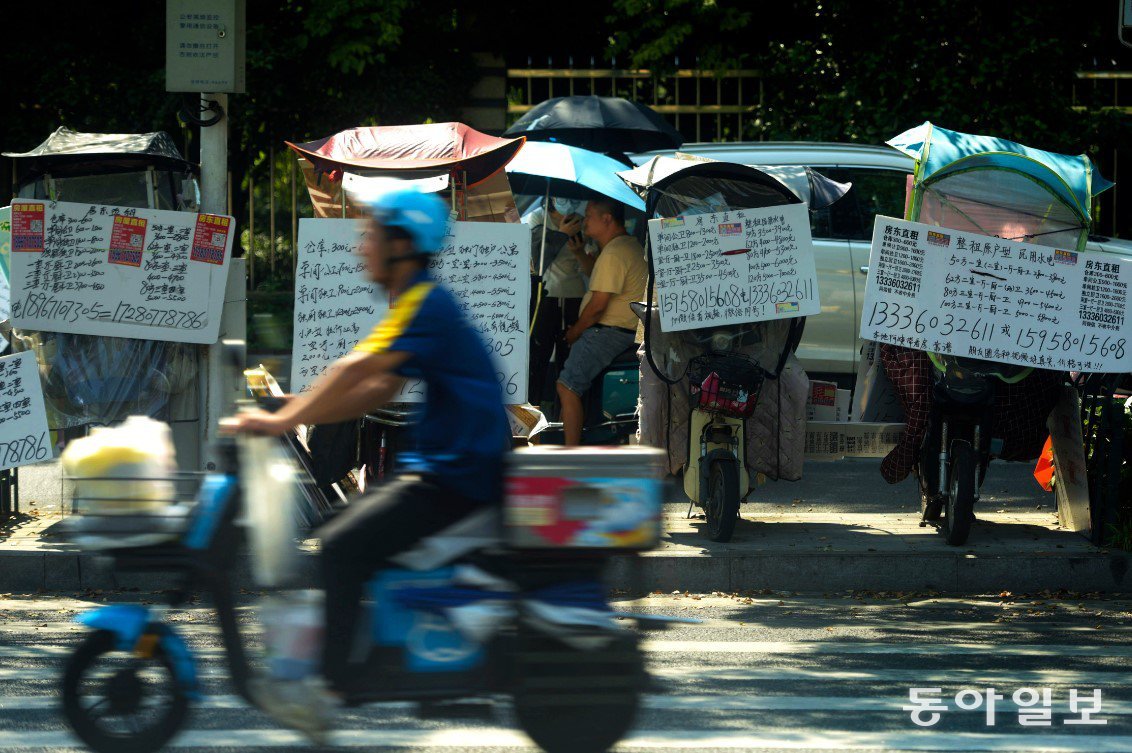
[691, 504]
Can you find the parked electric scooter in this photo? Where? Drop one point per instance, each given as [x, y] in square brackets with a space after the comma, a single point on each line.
[993, 187]
[727, 366]
[959, 444]
[724, 387]
[552, 642]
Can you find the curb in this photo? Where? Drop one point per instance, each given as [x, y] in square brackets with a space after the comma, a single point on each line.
[961, 573]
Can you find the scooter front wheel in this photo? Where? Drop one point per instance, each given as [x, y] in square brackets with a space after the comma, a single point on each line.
[961, 499]
[722, 505]
[117, 702]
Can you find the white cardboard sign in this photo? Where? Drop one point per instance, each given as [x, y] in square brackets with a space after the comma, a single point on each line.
[24, 438]
[484, 264]
[945, 291]
[117, 271]
[734, 267]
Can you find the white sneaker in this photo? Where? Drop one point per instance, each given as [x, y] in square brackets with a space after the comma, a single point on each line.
[302, 705]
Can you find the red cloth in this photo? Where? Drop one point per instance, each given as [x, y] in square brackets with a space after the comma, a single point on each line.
[1020, 410]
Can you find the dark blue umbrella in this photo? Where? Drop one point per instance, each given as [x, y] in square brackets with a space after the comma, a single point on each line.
[600, 124]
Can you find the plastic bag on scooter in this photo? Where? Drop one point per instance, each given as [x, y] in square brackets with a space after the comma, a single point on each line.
[293, 632]
[270, 494]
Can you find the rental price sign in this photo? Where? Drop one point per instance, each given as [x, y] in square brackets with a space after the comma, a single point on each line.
[119, 271]
[24, 438]
[734, 267]
[945, 291]
[483, 264]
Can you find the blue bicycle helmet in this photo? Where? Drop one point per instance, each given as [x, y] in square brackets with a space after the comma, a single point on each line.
[423, 216]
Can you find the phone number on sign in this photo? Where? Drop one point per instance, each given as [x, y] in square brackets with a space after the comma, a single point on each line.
[898, 317]
[23, 450]
[128, 313]
[691, 301]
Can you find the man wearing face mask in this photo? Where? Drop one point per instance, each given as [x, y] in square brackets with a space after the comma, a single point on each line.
[568, 262]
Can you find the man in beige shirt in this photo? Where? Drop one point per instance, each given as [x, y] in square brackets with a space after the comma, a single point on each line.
[606, 326]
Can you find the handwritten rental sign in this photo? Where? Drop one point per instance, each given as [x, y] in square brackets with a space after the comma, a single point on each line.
[734, 267]
[976, 296]
[24, 438]
[118, 271]
[484, 264]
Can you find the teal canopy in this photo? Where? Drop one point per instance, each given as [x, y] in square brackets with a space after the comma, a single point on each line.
[938, 152]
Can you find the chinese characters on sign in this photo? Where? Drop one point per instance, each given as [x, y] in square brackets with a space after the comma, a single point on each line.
[974, 296]
[733, 267]
[23, 419]
[335, 304]
[120, 272]
[1034, 706]
[483, 264]
[199, 22]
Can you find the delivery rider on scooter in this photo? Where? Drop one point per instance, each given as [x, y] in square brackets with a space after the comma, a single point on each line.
[461, 439]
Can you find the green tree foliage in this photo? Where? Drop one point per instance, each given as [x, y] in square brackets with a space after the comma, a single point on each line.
[850, 71]
[313, 68]
[654, 33]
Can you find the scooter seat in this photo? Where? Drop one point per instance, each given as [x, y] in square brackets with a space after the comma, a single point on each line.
[626, 357]
[478, 530]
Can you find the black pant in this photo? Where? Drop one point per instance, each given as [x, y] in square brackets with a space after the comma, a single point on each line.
[357, 542]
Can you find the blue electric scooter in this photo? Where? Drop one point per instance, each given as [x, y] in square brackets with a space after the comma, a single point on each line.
[574, 672]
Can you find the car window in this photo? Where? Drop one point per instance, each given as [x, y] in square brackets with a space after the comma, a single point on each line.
[874, 192]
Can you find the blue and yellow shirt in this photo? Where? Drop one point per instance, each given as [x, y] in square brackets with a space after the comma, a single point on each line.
[464, 433]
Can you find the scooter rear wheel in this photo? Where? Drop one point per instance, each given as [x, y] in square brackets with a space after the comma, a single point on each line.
[722, 505]
[961, 499]
[571, 700]
[120, 703]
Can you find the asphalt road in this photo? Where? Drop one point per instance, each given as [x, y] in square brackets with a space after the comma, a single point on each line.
[759, 672]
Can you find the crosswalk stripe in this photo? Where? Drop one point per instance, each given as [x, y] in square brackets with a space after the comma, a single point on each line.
[692, 647]
[494, 737]
[911, 677]
[700, 672]
[893, 647]
[723, 702]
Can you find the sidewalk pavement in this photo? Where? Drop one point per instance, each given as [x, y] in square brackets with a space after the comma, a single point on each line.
[848, 531]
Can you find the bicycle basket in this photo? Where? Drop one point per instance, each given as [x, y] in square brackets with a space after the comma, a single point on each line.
[725, 383]
[116, 512]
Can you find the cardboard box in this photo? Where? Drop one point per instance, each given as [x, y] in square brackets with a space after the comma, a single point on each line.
[584, 498]
[850, 439]
[825, 402]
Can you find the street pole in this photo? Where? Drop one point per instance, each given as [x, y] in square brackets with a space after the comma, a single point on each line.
[219, 387]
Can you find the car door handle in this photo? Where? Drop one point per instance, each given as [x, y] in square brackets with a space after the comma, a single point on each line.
[864, 270]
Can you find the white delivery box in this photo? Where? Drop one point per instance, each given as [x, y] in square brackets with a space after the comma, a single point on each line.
[584, 497]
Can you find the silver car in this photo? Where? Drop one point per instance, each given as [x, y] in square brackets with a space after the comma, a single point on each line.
[842, 233]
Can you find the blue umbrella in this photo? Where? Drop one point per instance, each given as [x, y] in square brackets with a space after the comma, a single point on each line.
[569, 172]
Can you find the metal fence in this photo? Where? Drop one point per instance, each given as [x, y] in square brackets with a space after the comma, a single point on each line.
[1102, 91]
[702, 105]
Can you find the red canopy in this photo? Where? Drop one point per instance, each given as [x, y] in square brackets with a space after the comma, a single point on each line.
[428, 149]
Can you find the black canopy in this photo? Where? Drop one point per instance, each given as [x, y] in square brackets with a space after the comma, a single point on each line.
[67, 151]
[600, 124]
